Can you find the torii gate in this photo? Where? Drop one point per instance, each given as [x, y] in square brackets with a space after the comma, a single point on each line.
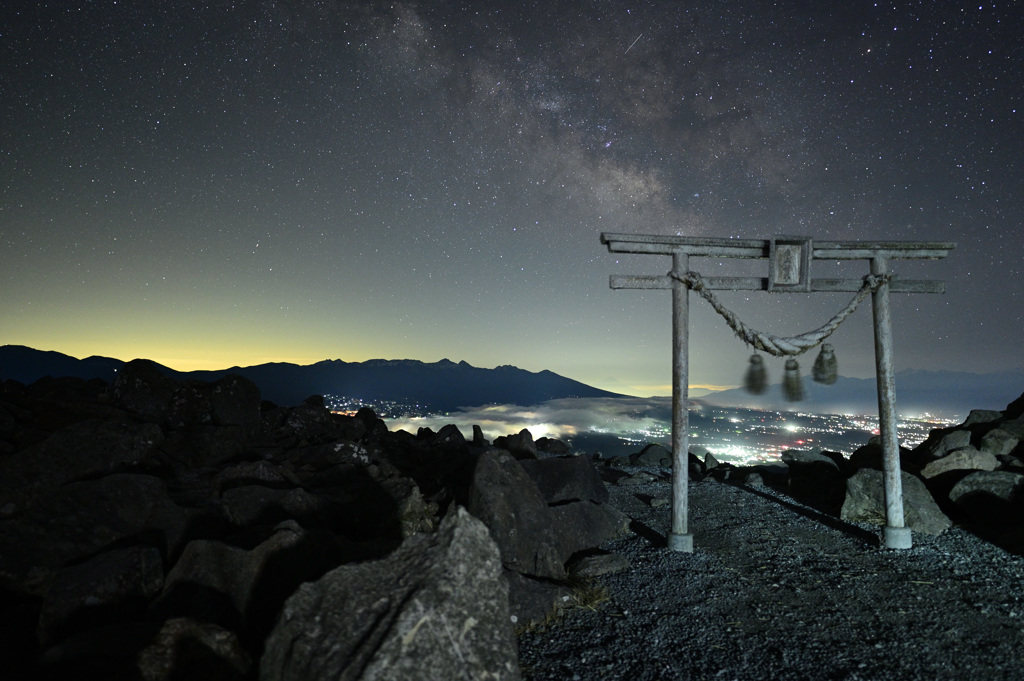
[789, 269]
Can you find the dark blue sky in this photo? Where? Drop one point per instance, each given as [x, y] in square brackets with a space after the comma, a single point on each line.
[226, 183]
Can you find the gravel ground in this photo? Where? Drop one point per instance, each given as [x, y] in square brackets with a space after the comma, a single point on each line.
[775, 590]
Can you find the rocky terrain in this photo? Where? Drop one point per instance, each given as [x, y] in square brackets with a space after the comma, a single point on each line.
[160, 529]
[165, 529]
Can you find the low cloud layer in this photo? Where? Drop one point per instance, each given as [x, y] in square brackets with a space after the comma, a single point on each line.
[561, 419]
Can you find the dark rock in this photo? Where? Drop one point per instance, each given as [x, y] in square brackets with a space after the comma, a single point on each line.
[638, 478]
[260, 505]
[532, 600]
[230, 401]
[504, 497]
[581, 525]
[596, 565]
[1014, 427]
[617, 461]
[870, 456]
[334, 453]
[413, 512]
[696, 466]
[865, 502]
[956, 439]
[107, 653]
[256, 472]
[437, 608]
[552, 446]
[652, 455]
[449, 436]
[81, 518]
[344, 499]
[710, 462]
[143, 389]
[815, 479]
[83, 450]
[187, 649]
[991, 497]
[244, 589]
[982, 416]
[114, 585]
[566, 478]
[204, 445]
[520, 445]
[999, 442]
[309, 422]
[478, 437]
[965, 458]
[374, 427]
[752, 479]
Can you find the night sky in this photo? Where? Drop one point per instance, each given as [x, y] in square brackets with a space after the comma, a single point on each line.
[229, 183]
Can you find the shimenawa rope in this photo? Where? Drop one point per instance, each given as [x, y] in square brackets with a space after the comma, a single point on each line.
[775, 345]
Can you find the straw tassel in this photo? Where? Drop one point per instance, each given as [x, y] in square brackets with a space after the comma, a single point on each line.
[826, 367]
[792, 386]
[756, 380]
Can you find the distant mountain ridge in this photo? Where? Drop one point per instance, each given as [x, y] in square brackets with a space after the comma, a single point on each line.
[940, 393]
[442, 385]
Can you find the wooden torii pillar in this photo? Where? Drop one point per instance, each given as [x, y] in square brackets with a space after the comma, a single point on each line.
[789, 269]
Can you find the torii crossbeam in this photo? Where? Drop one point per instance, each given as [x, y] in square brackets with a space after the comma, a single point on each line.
[789, 269]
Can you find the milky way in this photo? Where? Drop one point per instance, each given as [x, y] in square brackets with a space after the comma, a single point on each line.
[241, 182]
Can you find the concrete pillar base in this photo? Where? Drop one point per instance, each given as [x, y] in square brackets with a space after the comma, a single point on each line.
[897, 538]
[680, 542]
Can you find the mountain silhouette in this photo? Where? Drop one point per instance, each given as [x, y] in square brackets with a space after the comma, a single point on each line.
[439, 386]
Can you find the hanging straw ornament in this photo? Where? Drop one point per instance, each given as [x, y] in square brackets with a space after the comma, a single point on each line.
[826, 368]
[756, 380]
[792, 386]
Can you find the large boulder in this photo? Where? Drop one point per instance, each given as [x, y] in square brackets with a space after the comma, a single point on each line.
[553, 447]
[991, 497]
[437, 608]
[966, 458]
[982, 416]
[865, 502]
[582, 525]
[87, 449]
[566, 478]
[871, 456]
[143, 389]
[111, 586]
[520, 445]
[951, 441]
[509, 503]
[185, 648]
[78, 520]
[533, 601]
[229, 401]
[652, 455]
[1014, 426]
[999, 442]
[816, 479]
[244, 589]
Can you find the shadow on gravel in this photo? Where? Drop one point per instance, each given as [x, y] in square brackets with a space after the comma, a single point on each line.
[656, 539]
[870, 538]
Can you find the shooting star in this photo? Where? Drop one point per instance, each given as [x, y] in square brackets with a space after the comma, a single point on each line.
[633, 43]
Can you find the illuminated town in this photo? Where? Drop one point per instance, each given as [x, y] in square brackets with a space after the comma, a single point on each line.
[747, 435]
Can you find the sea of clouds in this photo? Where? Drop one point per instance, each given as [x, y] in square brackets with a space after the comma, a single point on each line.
[562, 419]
